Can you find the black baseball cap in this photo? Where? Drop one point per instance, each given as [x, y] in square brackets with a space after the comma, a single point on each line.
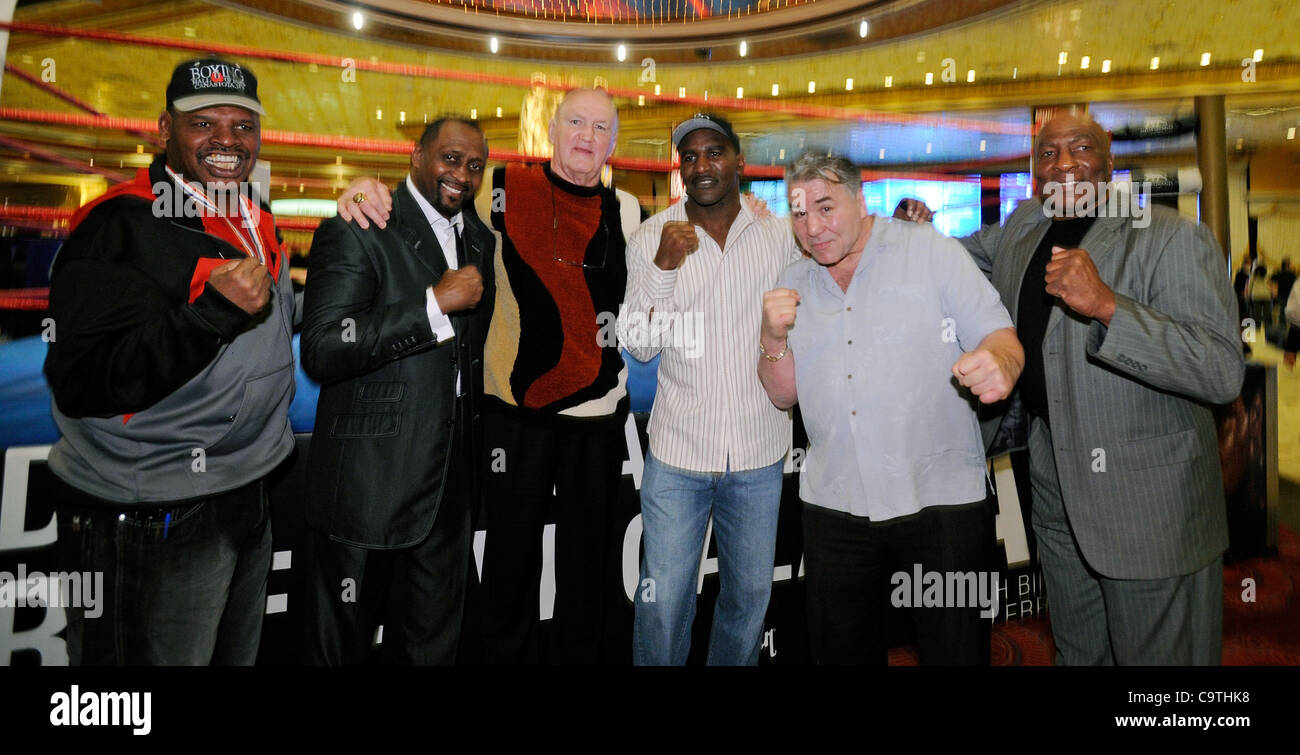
[205, 82]
[709, 121]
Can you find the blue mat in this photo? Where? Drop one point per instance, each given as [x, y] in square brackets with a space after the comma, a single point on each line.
[25, 418]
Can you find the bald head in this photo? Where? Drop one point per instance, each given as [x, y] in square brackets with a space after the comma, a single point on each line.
[1073, 123]
[583, 133]
[1071, 150]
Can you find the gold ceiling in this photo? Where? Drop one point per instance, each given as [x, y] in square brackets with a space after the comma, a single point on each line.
[1022, 54]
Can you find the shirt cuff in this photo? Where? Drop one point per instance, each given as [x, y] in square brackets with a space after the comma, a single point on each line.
[438, 322]
[661, 283]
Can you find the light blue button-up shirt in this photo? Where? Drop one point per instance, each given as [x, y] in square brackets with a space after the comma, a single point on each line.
[890, 431]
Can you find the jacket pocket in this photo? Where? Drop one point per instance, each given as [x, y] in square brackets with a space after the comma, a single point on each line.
[1157, 451]
[380, 392]
[366, 425]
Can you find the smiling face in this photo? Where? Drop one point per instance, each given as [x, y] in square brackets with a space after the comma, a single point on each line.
[215, 146]
[830, 221]
[583, 133]
[448, 169]
[1069, 152]
[711, 167]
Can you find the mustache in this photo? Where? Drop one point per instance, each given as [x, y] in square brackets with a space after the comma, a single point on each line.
[236, 151]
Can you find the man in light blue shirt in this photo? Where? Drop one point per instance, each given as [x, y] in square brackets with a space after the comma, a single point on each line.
[898, 332]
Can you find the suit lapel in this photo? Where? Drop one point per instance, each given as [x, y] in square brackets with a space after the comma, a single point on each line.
[416, 231]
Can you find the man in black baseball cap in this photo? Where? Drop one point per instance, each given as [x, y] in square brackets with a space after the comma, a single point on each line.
[172, 378]
[716, 441]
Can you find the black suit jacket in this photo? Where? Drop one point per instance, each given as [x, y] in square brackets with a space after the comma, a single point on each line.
[386, 416]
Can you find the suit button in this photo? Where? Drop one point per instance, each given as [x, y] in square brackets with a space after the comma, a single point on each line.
[450, 422]
[453, 361]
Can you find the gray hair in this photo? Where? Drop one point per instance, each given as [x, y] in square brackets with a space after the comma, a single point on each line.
[815, 164]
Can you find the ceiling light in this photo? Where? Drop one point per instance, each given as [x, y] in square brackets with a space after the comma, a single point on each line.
[1259, 55]
[681, 92]
[740, 93]
[848, 85]
[498, 112]
[1084, 62]
[1205, 59]
[863, 28]
[621, 53]
[1155, 62]
[640, 100]
[494, 44]
[776, 90]
[889, 81]
[812, 87]
[358, 20]
[1064, 56]
[744, 48]
[929, 78]
[1105, 66]
[1290, 133]
[970, 76]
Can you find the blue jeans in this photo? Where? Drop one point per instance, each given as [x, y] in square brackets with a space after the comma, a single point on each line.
[675, 508]
[180, 590]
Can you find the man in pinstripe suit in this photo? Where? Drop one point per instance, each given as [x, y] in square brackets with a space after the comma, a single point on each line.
[1129, 331]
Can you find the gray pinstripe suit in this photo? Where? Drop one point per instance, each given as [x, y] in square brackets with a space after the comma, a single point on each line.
[1130, 400]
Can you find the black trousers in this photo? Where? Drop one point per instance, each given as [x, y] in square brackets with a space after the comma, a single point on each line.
[417, 594]
[849, 569]
[581, 460]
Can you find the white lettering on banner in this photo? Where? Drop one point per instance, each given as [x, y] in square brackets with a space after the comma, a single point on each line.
[13, 501]
[76, 708]
[546, 600]
[635, 462]
[43, 638]
[1009, 523]
[632, 557]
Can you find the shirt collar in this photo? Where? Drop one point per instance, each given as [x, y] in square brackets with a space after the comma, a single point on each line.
[435, 218]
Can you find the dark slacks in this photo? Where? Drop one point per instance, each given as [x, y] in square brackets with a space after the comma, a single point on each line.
[578, 464]
[848, 569]
[184, 583]
[417, 594]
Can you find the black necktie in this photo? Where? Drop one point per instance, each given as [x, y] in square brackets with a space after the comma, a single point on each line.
[460, 247]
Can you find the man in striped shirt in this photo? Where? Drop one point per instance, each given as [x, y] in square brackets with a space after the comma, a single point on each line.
[696, 276]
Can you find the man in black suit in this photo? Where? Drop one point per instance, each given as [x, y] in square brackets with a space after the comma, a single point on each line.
[393, 328]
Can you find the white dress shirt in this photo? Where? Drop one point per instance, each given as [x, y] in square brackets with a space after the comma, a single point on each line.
[446, 229]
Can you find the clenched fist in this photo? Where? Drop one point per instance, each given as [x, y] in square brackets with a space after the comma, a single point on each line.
[246, 283]
[1073, 277]
[677, 240]
[779, 310]
[459, 289]
[988, 375]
